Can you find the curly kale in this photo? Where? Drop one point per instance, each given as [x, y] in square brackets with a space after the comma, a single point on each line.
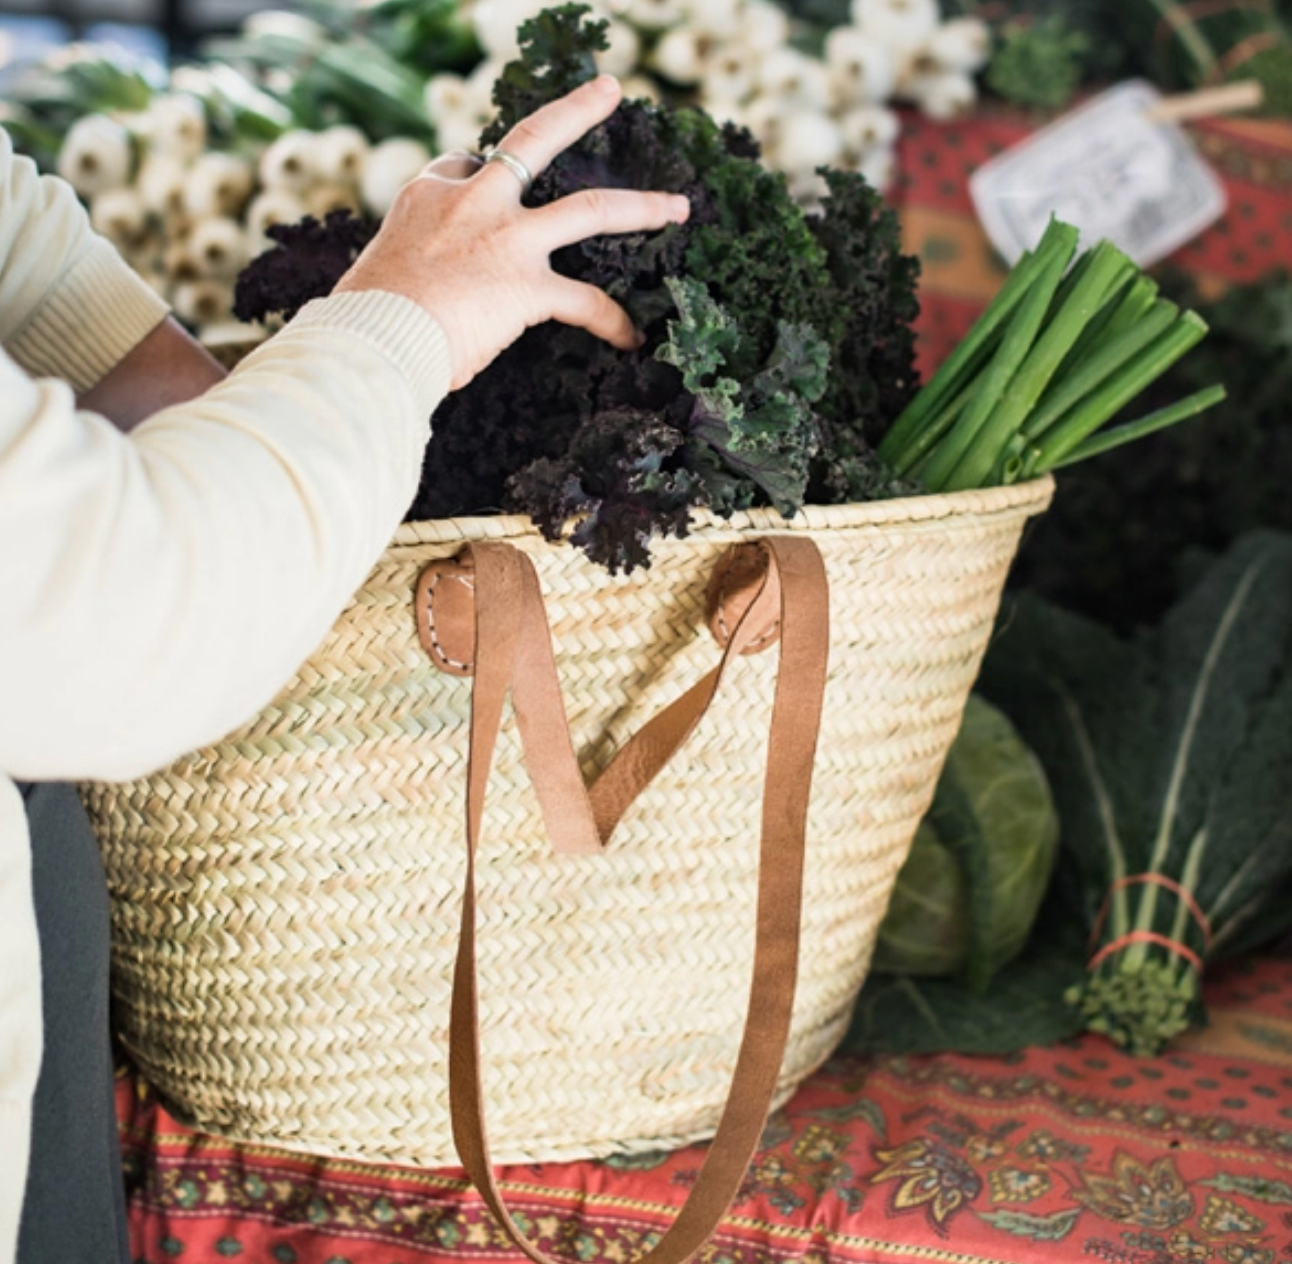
[778, 345]
[307, 260]
[621, 478]
[873, 298]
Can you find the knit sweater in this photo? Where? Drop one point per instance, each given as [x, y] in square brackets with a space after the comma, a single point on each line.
[158, 588]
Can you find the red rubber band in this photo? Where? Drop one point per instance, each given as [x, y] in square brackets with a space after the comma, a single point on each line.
[1159, 879]
[1146, 937]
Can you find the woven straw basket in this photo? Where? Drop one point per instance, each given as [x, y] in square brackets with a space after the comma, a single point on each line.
[286, 901]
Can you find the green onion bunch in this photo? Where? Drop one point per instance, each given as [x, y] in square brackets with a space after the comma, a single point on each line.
[1068, 341]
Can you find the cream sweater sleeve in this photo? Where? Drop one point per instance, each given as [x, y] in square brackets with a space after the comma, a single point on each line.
[157, 588]
[69, 306]
[160, 587]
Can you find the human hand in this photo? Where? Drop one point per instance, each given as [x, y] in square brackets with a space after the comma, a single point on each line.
[458, 241]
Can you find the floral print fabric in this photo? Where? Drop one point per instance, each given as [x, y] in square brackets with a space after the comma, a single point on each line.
[1074, 1153]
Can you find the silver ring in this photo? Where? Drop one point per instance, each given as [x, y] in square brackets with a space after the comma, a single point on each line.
[514, 165]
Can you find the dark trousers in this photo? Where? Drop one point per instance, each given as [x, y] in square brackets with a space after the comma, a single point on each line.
[74, 1207]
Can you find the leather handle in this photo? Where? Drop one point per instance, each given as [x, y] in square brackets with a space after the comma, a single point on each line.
[507, 614]
[744, 601]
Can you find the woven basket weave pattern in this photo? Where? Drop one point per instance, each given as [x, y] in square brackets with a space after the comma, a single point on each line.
[286, 901]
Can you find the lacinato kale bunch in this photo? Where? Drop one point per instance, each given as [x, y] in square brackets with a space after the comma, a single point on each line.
[779, 345]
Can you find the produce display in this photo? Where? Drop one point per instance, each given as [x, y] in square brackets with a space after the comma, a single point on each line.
[1148, 727]
[811, 98]
[302, 113]
[1045, 49]
[1168, 754]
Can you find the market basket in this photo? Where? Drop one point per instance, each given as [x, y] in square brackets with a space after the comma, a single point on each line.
[286, 901]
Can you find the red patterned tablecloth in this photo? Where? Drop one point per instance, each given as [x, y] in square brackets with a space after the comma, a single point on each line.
[1078, 1152]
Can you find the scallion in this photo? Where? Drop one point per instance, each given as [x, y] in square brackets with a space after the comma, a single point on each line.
[1065, 345]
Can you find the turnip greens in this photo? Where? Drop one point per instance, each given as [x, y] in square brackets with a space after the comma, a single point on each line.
[1168, 755]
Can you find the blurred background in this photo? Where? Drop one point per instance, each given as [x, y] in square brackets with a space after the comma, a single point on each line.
[150, 28]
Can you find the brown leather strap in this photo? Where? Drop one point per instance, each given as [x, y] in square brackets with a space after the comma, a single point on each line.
[744, 601]
[505, 620]
[638, 761]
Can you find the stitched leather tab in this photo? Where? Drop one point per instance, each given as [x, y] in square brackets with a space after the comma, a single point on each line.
[737, 581]
[446, 602]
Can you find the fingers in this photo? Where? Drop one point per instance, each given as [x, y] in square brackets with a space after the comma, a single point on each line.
[586, 307]
[595, 211]
[455, 166]
[536, 140]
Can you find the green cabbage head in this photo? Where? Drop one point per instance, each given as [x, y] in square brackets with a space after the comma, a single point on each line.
[967, 896]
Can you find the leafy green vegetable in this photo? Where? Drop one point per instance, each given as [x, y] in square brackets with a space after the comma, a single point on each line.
[363, 65]
[967, 896]
[761, 428]
[1022, 1006]
[1169, 754]
[779, 345]
[44, 99]
[1038, 62]
[429, 35]
[333, 81]
[311, 259]
[927, 926]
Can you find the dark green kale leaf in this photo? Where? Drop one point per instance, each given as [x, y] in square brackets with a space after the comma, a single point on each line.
[762, 428]
[872, 296]
[558, 53]
[1023, 1005]
[758, 257]
[1168, 754]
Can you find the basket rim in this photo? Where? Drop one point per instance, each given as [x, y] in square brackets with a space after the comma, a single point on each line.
[1031, 497]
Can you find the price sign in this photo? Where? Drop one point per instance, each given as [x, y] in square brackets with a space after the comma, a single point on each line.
[1109, 167]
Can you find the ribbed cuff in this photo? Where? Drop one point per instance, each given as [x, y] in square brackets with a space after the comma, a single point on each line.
[99, 312]
[394, 324]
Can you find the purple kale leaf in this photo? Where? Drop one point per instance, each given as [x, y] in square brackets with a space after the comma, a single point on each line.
[622, 478]
[305, 262]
